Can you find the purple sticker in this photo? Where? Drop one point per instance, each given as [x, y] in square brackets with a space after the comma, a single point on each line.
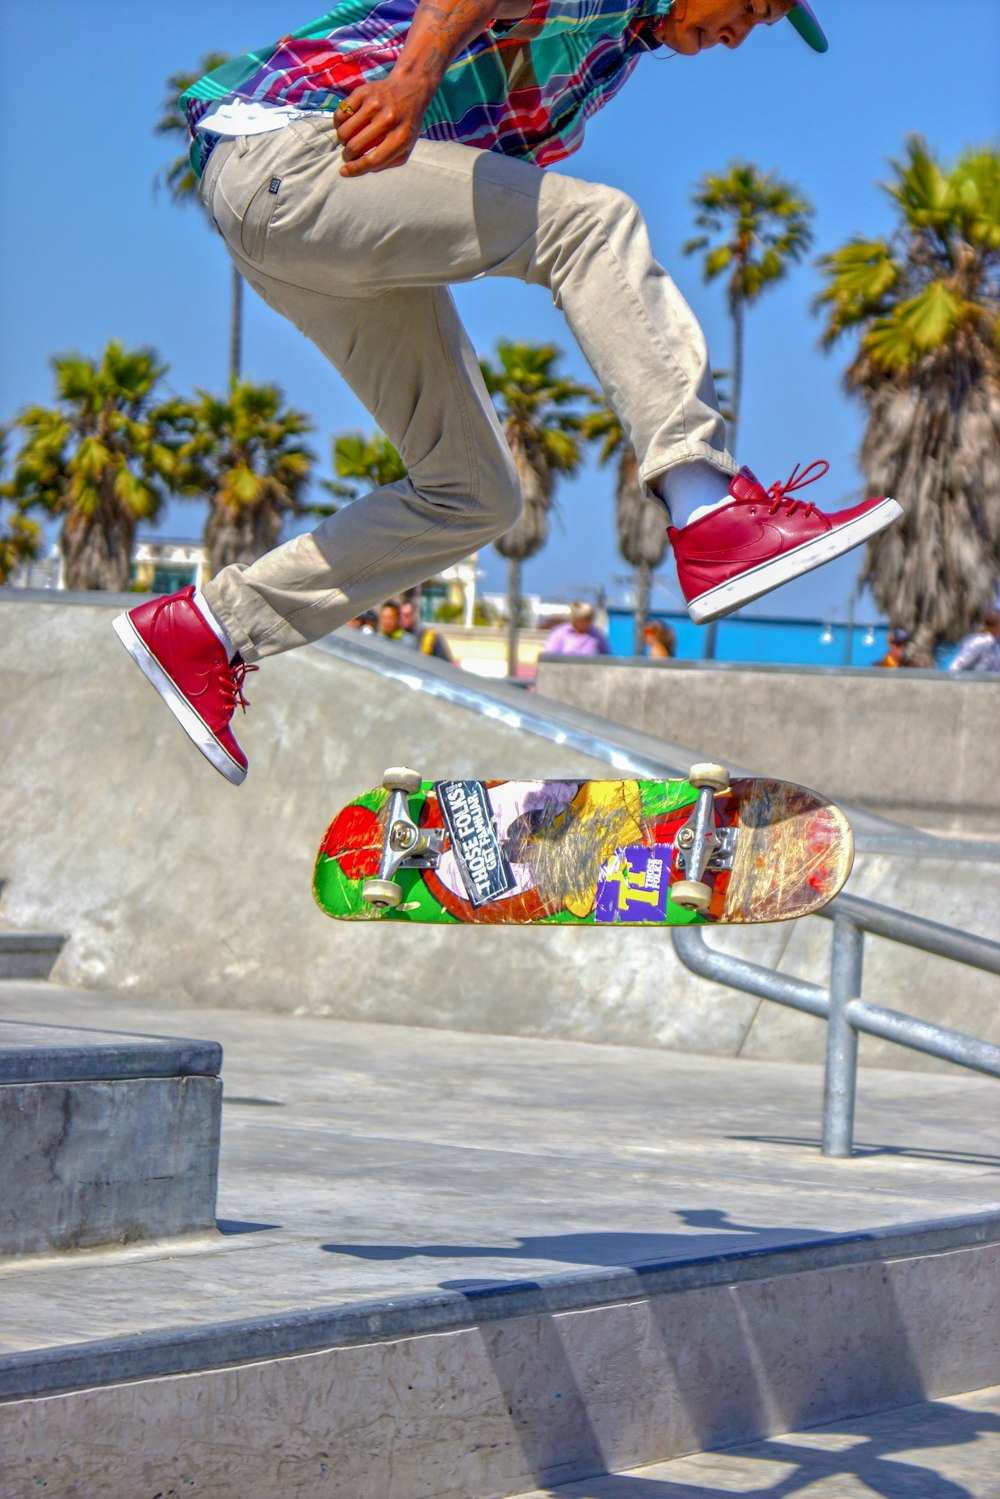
[632, 884]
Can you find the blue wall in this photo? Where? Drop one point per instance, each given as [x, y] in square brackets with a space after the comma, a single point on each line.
[786, 642]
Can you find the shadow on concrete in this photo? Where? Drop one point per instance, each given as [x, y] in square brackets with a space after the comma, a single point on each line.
[230, 1226]
[860, 1149]
[630, 1251]
[873, 1454]
[736, 1365]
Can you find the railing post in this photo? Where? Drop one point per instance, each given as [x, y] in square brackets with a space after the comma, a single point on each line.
[842, 1038]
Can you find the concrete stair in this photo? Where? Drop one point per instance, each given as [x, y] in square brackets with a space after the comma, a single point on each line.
[29, 955]
[477, 1393]
[106, 1137]
[457, 1266]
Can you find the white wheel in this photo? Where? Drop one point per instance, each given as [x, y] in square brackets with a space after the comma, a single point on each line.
[706, 773]
[398, 778]
[691, 894]
[382, 894]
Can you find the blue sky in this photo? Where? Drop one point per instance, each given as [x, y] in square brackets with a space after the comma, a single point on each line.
[89, 251]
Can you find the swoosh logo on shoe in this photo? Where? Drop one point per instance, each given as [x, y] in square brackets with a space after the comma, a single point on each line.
[766, 543]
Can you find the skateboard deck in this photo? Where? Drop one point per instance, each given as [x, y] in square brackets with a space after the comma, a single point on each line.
[596, 853]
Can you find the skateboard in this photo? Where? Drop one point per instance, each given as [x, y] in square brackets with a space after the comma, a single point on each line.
[599, 853]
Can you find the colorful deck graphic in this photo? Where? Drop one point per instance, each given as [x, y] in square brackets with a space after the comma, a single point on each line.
[587, 852]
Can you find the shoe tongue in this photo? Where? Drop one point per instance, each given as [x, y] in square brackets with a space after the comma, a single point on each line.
[745, 486]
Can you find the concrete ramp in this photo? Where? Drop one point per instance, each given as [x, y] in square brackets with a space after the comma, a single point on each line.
[168, 880]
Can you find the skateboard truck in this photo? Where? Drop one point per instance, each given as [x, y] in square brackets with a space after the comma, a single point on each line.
[406, 846]
[701, 846]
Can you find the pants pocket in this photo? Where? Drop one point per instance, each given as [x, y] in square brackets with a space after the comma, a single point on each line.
[257, 219]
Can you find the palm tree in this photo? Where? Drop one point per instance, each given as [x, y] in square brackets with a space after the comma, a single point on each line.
[19, 537]
[924, 303]
[755, 226]
[538, 409]
[373, 460]
[104, 459]
[244, 452]
[642, 522]
[182, 184]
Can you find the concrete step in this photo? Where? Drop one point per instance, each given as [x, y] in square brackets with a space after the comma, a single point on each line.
[29, 955]
[462, 1266]
[480, 1391]
[106, 1138]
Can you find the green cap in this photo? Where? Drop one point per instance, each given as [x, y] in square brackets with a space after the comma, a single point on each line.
[806, 24]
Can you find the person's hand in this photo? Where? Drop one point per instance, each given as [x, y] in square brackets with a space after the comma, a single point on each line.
[378, 124]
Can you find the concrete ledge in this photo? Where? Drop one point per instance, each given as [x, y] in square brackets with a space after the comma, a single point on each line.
[34, 1053]
[919, 745]
[212, 1346]
[106, 1138]
[457, 1395]
[29, 955]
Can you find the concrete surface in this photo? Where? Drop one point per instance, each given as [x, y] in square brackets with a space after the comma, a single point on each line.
[541, 1398]
[105, 1138]
[916, 745]
[453, 1265]
[942, 1449]
[169, 881]
[360, 1161]
[39, 1052]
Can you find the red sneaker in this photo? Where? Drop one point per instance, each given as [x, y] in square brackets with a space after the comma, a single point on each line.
[181, 655]
[763, 538]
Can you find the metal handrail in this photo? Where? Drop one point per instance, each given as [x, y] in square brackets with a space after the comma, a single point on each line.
[916, 931]
[841, 1005]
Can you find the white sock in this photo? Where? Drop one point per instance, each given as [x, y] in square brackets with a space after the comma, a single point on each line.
[216, 626]
[693, 490]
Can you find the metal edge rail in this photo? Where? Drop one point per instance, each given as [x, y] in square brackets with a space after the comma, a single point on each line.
[507, 705]
[627, 751]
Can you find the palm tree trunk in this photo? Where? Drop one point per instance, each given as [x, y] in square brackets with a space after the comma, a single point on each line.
[737, 307]
[236, 329]
[738, 311]
[643, 585]
[513, 613]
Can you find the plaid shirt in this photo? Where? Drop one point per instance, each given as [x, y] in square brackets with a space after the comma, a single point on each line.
[524, 88]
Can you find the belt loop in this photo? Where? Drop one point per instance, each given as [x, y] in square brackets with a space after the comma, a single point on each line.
[242, 145]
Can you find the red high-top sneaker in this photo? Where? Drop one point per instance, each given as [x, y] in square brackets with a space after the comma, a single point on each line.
[181, 655]
[763, 538]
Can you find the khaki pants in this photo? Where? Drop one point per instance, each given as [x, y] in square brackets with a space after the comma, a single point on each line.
[360, 265]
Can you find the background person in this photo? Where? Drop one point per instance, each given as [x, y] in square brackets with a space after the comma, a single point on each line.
[899, 652]
[980, 651]
[390, 626]
[578, 635]
[429, 641]
[661, 640]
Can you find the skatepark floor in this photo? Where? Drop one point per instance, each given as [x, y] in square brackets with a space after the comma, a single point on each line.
[363, 1162]
[939, 1449]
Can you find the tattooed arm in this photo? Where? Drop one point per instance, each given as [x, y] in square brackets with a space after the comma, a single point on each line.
[382, 120]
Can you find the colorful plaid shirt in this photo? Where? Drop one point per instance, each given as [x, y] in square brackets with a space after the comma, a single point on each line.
[525, 88]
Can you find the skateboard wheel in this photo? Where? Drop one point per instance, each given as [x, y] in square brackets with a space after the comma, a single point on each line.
[398, 778]
[382, 894]
[705, 773]
[691, 894]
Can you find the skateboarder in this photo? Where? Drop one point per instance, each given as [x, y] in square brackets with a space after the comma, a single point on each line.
[466, 101]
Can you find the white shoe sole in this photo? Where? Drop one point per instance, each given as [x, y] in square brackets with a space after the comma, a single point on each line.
[757, 581]
[191, 722]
